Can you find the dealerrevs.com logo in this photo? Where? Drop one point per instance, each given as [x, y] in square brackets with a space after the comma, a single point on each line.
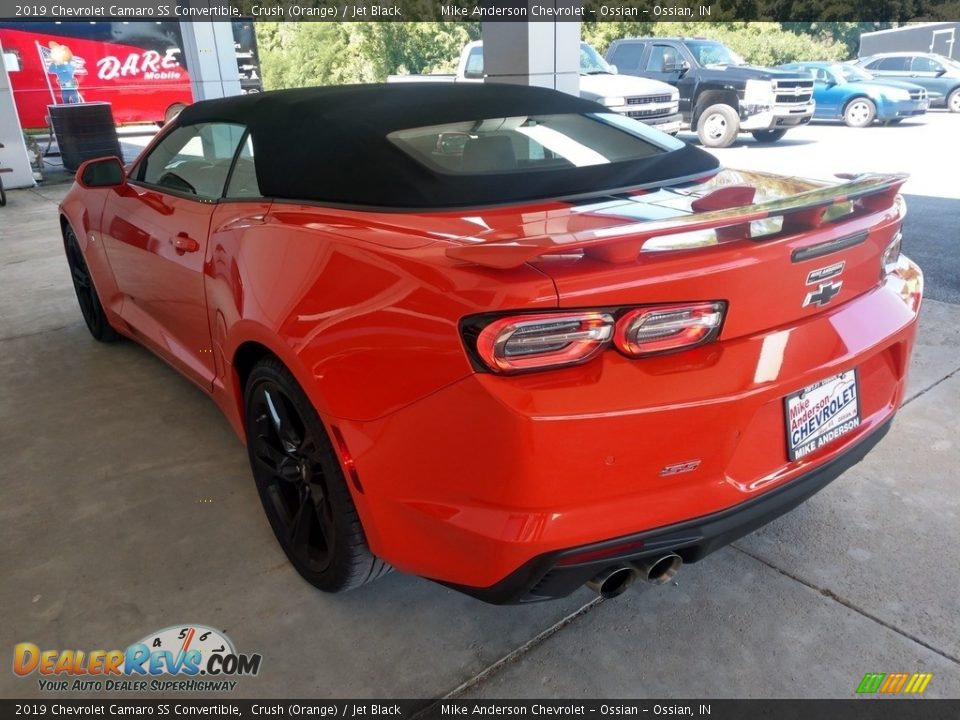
[191, 658]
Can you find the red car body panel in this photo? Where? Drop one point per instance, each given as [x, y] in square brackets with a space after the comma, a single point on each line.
[465, 476]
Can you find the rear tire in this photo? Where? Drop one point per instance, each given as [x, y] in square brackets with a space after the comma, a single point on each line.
[718, 126]
[768, 136]
[301, 485]
[953, 101]
[87, 297]
[859, 112]
[3, 194]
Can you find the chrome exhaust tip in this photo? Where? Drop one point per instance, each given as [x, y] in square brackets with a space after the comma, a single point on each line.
[658, 570]
[613, 581]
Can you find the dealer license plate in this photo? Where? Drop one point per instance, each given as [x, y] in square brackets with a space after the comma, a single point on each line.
[822, 413]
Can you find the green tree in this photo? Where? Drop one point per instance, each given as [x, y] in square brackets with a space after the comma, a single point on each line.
[325, 53]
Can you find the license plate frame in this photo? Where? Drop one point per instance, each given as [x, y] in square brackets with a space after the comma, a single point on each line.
[809, 403]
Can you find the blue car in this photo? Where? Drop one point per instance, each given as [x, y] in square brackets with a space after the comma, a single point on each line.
[845, 92]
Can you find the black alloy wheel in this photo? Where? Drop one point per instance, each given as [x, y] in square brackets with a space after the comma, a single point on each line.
[89, 301]
[301, 485]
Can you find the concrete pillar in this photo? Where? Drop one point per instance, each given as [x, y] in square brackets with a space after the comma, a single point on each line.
[545, 54]
[13, 154]
[211, 59]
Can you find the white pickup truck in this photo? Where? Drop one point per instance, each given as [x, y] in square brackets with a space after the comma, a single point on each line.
[649, 101]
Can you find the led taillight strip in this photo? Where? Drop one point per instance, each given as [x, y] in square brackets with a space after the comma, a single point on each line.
[527, 342]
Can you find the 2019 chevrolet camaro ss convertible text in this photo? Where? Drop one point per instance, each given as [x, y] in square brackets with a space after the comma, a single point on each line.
[498, 336]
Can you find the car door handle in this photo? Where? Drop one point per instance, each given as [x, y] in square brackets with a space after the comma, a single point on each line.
[183, 243]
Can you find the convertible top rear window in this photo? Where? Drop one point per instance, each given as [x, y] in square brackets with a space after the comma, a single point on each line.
[531, 143]
[377, 145]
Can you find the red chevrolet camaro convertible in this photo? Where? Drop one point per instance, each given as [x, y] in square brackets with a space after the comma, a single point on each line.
[497, 336]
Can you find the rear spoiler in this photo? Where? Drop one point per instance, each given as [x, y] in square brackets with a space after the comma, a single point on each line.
[622, 243]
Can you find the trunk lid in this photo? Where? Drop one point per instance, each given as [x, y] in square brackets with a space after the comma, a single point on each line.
[775, 249]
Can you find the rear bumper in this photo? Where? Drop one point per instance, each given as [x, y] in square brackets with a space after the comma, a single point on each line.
[480, 484]
[548, 577]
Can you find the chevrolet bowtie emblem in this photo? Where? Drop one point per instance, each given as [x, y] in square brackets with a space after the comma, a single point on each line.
[823, 294]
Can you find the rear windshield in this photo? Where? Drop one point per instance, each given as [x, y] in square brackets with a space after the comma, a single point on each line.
[531, 143]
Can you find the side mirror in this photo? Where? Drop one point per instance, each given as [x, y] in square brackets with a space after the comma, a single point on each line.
[101, 173]
[941, 72]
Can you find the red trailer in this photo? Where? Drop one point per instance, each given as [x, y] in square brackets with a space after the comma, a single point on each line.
[138, 67]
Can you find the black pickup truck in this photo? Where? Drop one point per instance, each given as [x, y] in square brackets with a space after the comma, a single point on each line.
[720, 95]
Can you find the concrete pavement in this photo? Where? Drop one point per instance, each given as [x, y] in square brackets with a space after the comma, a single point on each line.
[126, 505]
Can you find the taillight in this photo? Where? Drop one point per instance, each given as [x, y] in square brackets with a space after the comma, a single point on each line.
[667, 328]
[891, 255]
[520, 343]
[532, 342]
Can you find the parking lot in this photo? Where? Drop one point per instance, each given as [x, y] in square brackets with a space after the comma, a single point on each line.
[127, 505]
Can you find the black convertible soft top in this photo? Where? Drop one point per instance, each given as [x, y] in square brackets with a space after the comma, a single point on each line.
[330, 145]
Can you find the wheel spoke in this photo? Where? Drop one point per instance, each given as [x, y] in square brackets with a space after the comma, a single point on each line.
[281, 507]
[308, 448]
[318, 489]
[281, 420]
[325, 514]
[301, 524]
[288, 459]
[271, 458]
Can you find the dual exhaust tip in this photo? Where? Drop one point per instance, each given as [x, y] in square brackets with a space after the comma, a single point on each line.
[615, 580]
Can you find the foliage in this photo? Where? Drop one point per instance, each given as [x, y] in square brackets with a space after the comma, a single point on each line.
[326, 53]
[847, 33]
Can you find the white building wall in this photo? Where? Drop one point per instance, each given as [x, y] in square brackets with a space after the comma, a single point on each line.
[211, 58]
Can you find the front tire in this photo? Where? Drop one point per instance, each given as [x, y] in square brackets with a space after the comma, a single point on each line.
[718, 126]
[859, 113]
[953, 101]
[301, 485]
[87, 297]
[768, 136]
